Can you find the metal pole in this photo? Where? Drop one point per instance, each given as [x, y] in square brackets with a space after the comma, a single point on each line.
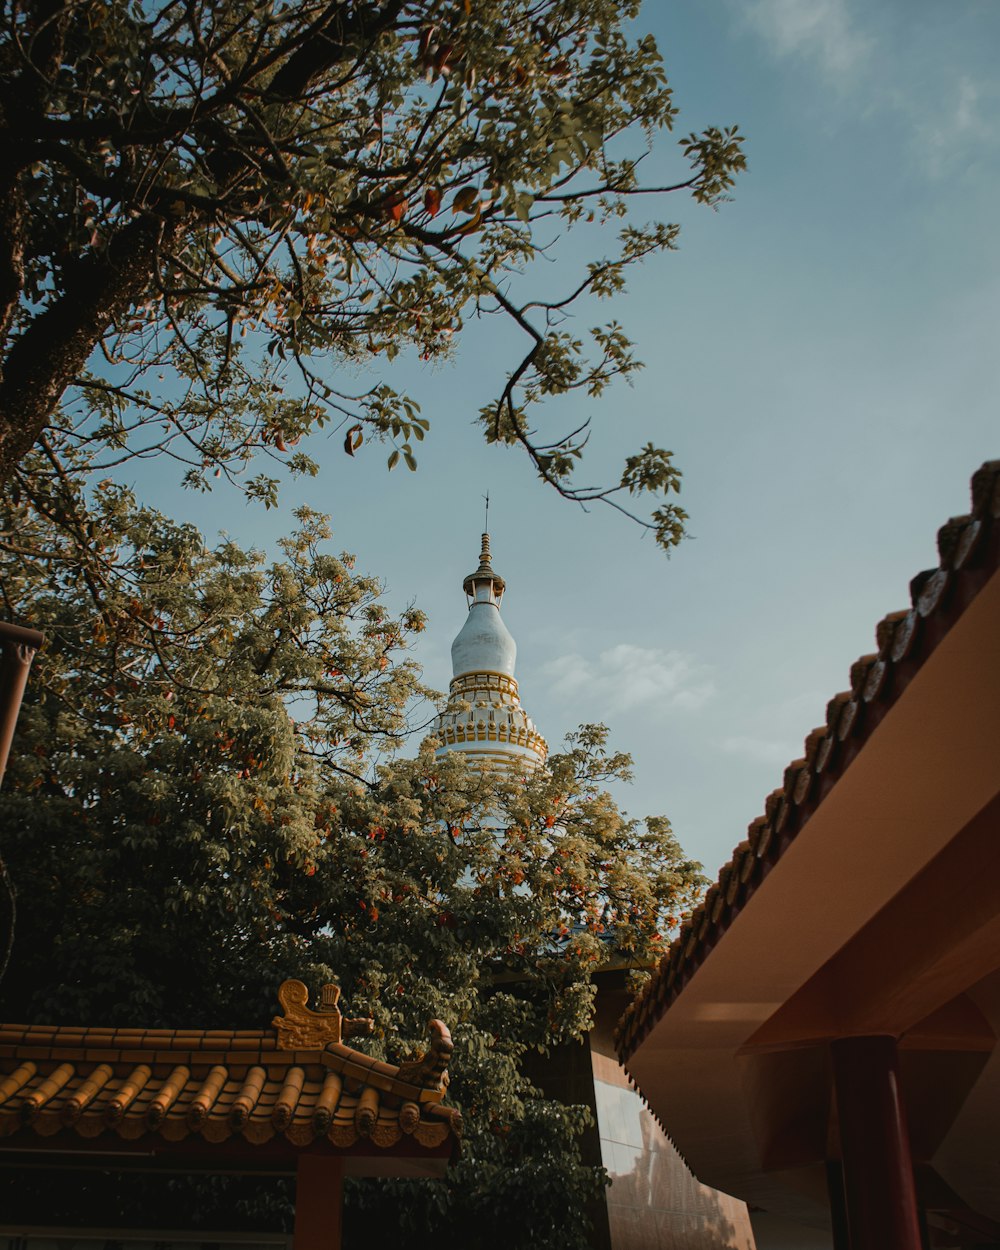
[17, 649]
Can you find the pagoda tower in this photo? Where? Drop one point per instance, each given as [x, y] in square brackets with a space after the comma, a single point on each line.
[483, 716]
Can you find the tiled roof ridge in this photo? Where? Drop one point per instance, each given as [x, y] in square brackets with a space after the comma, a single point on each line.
[223, 1083]
[154, 1039]
[300, 1103]
[969, 554]
[424, 1080]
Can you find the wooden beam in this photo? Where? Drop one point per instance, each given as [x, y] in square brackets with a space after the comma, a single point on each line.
[937, 937]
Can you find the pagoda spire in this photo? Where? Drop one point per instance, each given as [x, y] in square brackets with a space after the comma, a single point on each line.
[484, 717]
[484, 577]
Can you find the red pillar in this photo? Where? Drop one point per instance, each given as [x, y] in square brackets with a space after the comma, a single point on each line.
[838, 1205]
[319, 1202]
[875, 1145]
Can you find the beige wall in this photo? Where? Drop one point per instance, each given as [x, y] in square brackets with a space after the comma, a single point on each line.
[654, 1203]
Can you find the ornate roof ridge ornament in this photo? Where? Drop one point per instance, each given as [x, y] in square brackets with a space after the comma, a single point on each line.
[301, 1028]
[429, 1069]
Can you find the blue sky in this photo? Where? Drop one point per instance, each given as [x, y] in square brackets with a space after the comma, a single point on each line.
[821, 357]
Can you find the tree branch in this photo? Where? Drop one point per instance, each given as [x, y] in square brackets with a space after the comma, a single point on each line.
[46, 358]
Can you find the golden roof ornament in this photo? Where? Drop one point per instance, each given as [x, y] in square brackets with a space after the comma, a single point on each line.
[301, 1028]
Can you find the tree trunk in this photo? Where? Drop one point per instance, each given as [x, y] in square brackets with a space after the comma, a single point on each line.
[46, 358]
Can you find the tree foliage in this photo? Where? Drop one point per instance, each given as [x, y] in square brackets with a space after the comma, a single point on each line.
[207, 211]
[206, 798]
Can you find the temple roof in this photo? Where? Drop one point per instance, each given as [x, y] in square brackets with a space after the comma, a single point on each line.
[296, 1083]
[969, 551]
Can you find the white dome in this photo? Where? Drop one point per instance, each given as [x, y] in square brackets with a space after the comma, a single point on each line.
[484, 643]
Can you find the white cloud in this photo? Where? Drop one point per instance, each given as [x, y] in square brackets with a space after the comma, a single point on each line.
[879, 69]
[778, 731]
[761, 750]
[967, 114]
[626, 676]
[954, 122]
[824, 31]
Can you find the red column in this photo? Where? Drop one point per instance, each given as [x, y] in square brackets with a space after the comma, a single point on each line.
[875, 1145]
[319, 1202]
[838, 1205]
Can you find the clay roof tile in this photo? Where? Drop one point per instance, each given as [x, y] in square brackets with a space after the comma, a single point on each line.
[859, 672]
[986, 490]
[949, 536]
[741, 856]
[206, 1097]
[366, 1112]
[834, 709]
[87, 1092]
[791, 777]
[934, 592]
[886, 629]
[754, 831]
[918, 583]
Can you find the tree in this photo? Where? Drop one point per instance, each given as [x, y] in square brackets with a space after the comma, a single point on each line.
[205, 800]
[206, 210]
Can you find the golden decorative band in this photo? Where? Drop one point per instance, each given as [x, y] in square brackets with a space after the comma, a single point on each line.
[503, 759]
[530, 739]
[484, 680]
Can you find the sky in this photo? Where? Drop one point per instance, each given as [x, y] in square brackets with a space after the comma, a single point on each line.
[821, 357]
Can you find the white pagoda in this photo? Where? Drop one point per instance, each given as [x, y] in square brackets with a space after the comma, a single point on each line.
[483, 716]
